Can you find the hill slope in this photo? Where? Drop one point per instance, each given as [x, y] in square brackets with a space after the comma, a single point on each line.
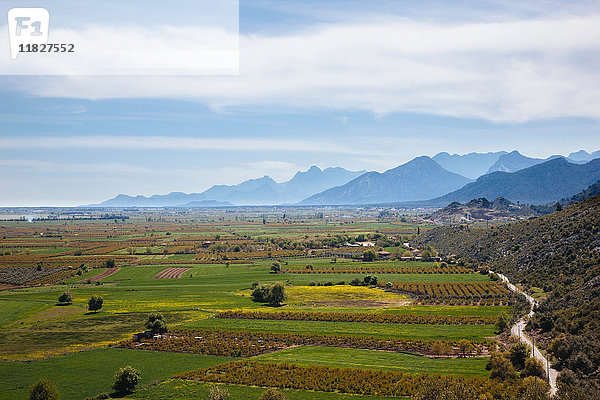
[560, 253]
[543, 183]
[419, 179]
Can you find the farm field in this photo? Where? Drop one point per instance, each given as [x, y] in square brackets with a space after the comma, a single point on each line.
[361, 358]
[214, 263]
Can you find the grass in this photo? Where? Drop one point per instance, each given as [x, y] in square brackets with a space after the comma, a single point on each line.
[88, 373]
[372, 359]
[185, 390]
[14, 310]
[475, 311]
[382, 330]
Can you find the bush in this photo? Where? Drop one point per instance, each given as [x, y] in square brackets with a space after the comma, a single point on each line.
[43, 390]
[126, 379]
[355, 282]
[277, 294]
[311, 283]
[95, 303]
[275, 267]
[110, 263]
[272, 394]
[216, 393]
[369, 255]
[156, 324]
[502, 322]
[518, 353]
[65, 298]
[260, 293]
[500, 367]
[533, 367]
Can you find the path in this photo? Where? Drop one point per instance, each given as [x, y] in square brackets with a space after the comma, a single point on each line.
[519, 328]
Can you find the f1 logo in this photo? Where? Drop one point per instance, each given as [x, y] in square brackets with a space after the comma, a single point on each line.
[27, 26]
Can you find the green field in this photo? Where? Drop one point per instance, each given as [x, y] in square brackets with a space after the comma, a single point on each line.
[381, 330]
[14, 310]
[88, 373]
[185, 390]
[372, 359]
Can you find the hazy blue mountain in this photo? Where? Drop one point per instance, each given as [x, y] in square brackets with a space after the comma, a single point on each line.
[513, 162]
[543, 183]
[583, 155]
[261, 191]
[418, 179]
[471, 165]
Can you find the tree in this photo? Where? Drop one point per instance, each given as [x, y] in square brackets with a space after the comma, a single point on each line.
[95, 303]
[110, 263]
[535, 389]
[502, 322]
[260, 293]
[440, 348]
[518, 353]
[500, 367]
[355, 282]
[276, 267]
[126, 379]
[277, 294]
[465, 347]
[156, 324]
[216, 393]
[369, 255]
[533, 367]
[272, 394]
[65, 298]
[43, 390]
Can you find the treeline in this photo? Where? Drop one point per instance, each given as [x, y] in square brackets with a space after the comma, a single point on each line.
[346, 380]
[246, 344]
[309, 269]
[358, 317]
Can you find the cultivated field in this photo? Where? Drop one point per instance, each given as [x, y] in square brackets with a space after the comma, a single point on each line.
[200, 270]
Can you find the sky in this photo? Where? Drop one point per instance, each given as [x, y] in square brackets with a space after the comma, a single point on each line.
[361, 85]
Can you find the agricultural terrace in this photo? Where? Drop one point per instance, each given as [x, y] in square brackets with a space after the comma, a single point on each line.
[353, 294]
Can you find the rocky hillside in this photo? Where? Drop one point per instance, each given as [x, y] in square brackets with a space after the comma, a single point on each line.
[482, 209]
[559, 253]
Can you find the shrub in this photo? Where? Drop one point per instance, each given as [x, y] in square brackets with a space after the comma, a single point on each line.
[272, 394]
[95, 303]
[533, 367]
[43, 390]
[355, 282]
[110, 263]
[518, 353]
[65, 298]
[500, 367]
[156, 324]
[277, 294]
[502, 322]
[126, 379]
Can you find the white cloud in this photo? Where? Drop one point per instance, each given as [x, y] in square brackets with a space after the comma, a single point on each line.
[503, 71]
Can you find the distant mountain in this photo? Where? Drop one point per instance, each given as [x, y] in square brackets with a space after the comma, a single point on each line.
[418, 179]
[482, 209]
[543, 183]
[261, 191]
[583, 155]
[471, 165]
[513, 162]
[206, 204]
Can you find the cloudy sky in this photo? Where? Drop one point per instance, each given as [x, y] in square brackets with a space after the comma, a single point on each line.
[337, 83]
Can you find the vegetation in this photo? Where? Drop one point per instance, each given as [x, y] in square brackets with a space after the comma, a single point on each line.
[558, 253]
[43, 390]
[126, 379]
[156, 324]
[65, 298]
[272, 294]
[95, 303]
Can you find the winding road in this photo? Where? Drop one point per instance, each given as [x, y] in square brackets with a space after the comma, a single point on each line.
[518, 329]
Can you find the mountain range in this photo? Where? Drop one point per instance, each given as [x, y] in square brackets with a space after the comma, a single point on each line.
[261, 191]
[540, 184]
[435, 181]
[419, 179]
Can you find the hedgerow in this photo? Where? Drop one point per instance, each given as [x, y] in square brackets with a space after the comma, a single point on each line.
[359, 317]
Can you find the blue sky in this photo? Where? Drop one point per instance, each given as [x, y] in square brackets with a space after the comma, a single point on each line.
[362, 85]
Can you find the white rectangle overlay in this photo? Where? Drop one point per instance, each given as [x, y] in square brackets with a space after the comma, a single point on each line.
[109, 37]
